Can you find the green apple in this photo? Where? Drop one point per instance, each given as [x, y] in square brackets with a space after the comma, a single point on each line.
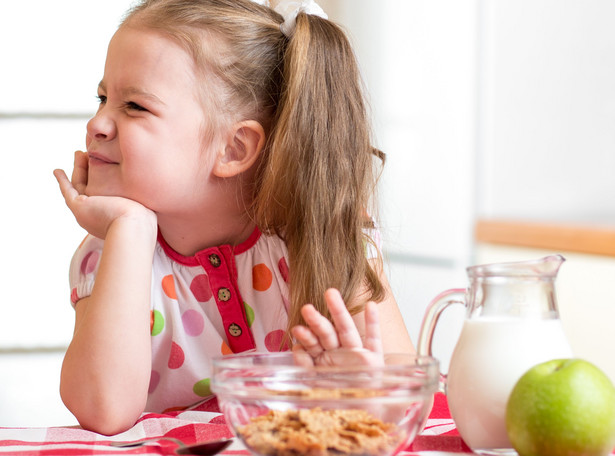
[563, 407]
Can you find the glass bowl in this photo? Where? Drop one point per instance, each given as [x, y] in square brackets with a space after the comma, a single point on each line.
[277, 408]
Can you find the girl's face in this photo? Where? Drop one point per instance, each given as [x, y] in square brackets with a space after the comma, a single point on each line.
[146, 140]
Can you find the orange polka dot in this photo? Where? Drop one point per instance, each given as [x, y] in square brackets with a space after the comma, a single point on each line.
[168, 286]
[175, 409]
[83, 241]
[225, 349]
[261, 277]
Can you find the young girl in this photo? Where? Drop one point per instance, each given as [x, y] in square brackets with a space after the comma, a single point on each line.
[225, 185]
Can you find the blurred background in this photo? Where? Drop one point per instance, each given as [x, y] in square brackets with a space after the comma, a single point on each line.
[497, 117]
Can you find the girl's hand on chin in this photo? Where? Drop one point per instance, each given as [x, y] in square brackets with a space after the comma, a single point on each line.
[324, 343]
[97, 213]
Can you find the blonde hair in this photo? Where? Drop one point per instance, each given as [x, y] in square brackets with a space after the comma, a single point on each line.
[316, 176]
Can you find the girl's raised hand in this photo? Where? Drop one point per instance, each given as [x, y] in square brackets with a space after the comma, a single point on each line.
[324, 343]
[96, 213]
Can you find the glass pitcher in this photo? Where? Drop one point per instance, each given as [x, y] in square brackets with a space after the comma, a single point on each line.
[511, 324]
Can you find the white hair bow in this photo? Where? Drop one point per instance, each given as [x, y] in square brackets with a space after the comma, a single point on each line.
[289, 9]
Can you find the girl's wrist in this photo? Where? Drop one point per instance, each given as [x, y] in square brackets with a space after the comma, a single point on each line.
[140, 225]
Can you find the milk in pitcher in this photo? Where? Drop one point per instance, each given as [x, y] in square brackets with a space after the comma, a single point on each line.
[490, 356]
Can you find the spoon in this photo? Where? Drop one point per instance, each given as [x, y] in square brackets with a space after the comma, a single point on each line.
[203, 448]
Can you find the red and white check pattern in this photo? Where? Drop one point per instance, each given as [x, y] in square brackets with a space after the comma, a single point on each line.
[204, 423]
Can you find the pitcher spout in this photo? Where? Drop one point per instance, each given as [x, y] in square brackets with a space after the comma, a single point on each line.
[546, 267]
[551, 264]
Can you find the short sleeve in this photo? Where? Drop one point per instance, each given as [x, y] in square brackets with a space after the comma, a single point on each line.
[84, 267]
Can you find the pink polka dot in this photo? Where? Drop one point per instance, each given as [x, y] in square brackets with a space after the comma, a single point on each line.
[273, 341]
[200, 288]
[176, 358]
[154, 379]
[283, 267]
[89, 262]
[193, 322]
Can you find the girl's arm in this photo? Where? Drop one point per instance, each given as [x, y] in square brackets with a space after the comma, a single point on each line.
[106, 369]
[395, 337]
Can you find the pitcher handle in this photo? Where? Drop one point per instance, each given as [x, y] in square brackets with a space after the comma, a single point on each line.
[432, 314]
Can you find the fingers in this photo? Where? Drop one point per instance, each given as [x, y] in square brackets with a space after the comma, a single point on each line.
[324, 335]
[373, 339]
[347, 333]
[60, 176]
[68, 191]
[319, 335]
[79, 177]
[76, 185]
[301, 357]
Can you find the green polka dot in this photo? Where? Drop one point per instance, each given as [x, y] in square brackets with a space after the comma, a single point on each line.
[158, 325]
[201, 388]
[249, 313]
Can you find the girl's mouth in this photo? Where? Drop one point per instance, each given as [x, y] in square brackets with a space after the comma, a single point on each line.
[96, 158]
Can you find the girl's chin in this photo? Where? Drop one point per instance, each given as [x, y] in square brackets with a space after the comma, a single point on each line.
[99, 190]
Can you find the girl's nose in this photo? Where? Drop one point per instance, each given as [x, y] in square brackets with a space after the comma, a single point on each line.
[101, 127]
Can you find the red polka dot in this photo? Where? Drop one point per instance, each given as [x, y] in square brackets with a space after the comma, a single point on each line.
[261, 277]
[74, 297]
[273, 341]
[168, 286]
[177, 408]
[176, 358]
[283, 267]
[200, 288]
[89, 262]
[154, 379]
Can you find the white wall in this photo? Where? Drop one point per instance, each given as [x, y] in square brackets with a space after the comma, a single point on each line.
[548, 110]
[52, 56]
[52, 59]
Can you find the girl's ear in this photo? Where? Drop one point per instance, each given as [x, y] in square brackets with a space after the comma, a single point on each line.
[246, 140]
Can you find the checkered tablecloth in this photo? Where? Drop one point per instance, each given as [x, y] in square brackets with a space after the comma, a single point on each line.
[204, 423]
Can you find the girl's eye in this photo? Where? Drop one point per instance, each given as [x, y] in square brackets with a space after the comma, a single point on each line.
[134, 106]
[129, 105]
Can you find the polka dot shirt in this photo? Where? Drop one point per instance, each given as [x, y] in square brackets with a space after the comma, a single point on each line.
[222, 300]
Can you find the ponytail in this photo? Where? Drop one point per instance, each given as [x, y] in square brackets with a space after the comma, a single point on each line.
[316, 182]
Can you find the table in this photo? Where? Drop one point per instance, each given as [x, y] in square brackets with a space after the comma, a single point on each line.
[439, 435]
[590, 237]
